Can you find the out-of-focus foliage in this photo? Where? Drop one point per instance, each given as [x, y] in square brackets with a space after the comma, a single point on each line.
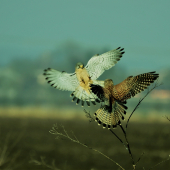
[22, 81]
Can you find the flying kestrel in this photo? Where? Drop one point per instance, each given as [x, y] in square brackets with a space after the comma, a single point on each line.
[79, 81]
[115, 96]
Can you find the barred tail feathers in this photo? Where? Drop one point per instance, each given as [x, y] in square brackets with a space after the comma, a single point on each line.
[110, 119]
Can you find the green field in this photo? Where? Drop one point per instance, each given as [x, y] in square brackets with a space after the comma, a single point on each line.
[25, 141]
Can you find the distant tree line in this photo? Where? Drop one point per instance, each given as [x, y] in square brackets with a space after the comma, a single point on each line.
[22, 82]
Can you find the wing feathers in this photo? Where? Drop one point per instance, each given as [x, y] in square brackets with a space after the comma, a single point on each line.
[61, 80]
[134, 85]
[98, 64]
[81, 94]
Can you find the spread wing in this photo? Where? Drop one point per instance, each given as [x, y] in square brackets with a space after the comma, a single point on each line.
[99, 63]
[69, 82]
[133, 85]
[61, 80]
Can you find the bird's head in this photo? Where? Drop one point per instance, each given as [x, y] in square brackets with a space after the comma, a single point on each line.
[79, 66]
[108, 82]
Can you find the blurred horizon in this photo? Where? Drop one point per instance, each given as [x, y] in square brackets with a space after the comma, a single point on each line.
[24, 86]
[35, 35]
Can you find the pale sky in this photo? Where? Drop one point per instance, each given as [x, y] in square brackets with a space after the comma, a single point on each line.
[29, 28]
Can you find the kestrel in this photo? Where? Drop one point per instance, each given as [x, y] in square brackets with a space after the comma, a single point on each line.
[115, 96]
[79, 81]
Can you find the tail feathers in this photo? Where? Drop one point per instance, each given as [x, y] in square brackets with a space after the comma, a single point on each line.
[80, 95]
[110, 120]
[122, 107]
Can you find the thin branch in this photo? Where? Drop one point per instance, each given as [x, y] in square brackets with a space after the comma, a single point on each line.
[128, 145]
[154, 86]
[118, 138]
[167, 117]
[43, 163]
[74, 136]
[160, 162]
[125, 131]
[55, 131]
[140, 158]
[88, 115]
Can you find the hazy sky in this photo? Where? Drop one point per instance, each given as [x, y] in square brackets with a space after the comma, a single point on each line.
[31, 27]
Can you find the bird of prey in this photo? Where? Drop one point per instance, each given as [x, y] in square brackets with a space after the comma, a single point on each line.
[79, 81]
[115, 96]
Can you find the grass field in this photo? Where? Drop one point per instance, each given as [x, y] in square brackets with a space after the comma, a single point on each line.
[27, 144]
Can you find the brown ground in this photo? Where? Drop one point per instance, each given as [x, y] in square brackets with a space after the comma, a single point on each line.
[26, 139]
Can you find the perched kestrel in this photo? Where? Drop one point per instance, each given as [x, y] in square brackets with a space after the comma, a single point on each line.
[79, 81]
[115, 96]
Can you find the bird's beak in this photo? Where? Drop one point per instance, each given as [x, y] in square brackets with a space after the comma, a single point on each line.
[81, 66]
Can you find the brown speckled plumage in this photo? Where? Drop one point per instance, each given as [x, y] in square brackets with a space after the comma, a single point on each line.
[115, 97]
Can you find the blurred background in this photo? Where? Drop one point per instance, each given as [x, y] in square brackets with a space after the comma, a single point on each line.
[35, 35]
